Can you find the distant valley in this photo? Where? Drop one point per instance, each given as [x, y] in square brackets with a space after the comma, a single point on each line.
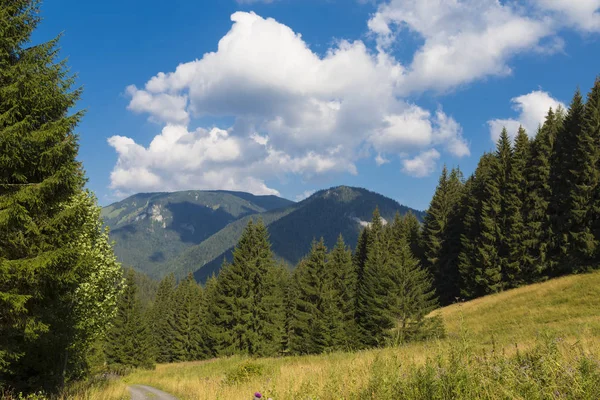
[193, 231]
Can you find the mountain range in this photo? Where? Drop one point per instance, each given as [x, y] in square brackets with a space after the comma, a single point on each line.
[194, 231]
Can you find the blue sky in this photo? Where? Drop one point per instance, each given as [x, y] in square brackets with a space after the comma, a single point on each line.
[291, 96]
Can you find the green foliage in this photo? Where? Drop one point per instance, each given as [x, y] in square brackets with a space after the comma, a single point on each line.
[248, 307]
[441, 235]
[342, 277]
[129, 341]
[188, 340]
[478, 261]
[243, 373]
[313, 304]
[58, 278]
[163, 320]
[537, 236]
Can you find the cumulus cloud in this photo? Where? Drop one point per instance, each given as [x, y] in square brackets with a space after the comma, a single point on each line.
[580, 14]
[421, 165]
[532, 109]
[464, 40]
[295, 112]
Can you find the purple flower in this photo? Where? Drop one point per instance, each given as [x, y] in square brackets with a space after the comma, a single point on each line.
[257, 395]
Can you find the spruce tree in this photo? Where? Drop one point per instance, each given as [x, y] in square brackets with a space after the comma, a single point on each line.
[41, 220]
[209, 328]
[372, 317]
[479, 264]
[441, 235]
[411, 297]
[515, 212]
[129, 342]
[312, 303]
[249, 302]
[188, 343]
[538, 235]
[413, 232]
[583, 213]
[564, 171]
[343, 290]
[163, 320]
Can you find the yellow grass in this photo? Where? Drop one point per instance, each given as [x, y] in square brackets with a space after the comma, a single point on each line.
[566, 308]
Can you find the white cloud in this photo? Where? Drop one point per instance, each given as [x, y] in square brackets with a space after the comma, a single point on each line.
[464, 40]
[421, 165]
[162, 107]
[532, 108]
[580, 14]
[295, 113]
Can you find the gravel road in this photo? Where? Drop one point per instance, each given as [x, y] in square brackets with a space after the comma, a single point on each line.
[142, 392]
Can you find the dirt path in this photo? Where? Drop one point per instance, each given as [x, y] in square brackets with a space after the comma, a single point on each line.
[142, 392]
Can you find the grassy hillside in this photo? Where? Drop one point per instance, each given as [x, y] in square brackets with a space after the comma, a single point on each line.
[537, 342]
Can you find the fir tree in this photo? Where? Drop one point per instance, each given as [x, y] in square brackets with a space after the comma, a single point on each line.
[310, 331]
[583, 213]
[343, 286]
[515, 212]
[478, 261]
[188, 343]
[163, 320]
[209, 329]
[413, 232]
[441, 233]
[41, 220]
[538, 236]
[411, 297]
[129, 340]
[565, 169]
[372, 318]
[249, 303]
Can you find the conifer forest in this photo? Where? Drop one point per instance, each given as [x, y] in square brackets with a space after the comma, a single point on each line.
[529, 213]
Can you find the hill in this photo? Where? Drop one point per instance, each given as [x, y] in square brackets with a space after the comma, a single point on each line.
[150, 229]
[535, 342]
[327, 213]
[194, 231]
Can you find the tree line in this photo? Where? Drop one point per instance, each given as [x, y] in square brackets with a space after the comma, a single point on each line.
[529, 212]
[333, 300]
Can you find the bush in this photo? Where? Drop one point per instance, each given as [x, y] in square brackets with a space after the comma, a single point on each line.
[243, 373]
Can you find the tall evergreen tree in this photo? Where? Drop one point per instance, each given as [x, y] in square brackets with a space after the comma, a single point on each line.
[441, 235]
[42, 220]
[343, 290]
[564, 171]
[163, 320]
[413, 232]
[372, 318]
[249, 303]
[478, 261]
[188, 341]
[538, 235]
[311, 332]
[411, 297]
[209, 328]
[583, 213]
[516, 195]
[129, 340]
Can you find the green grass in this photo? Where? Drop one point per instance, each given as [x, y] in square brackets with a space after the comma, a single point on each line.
[537, 342]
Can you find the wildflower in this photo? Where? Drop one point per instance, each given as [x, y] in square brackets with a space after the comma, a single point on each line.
[257, 395]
